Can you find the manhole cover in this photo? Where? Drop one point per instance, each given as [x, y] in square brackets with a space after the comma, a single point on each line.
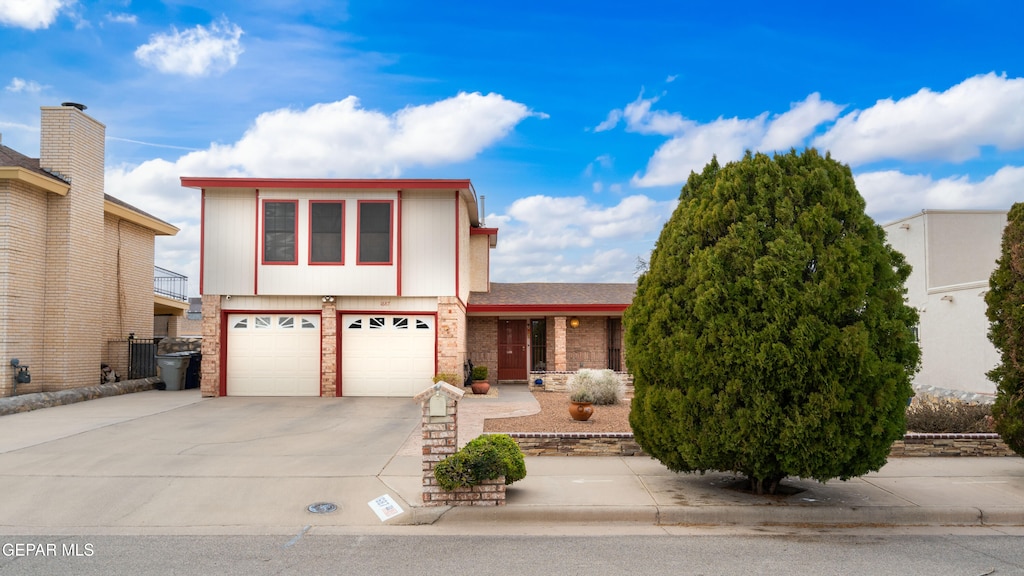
[322, 508]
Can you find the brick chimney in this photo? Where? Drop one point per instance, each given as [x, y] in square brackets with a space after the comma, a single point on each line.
[72, 148]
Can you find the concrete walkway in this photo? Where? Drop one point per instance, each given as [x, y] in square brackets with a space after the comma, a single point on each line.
[170, 462]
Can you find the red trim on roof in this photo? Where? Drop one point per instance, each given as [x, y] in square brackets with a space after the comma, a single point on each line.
[375, 184]
[499, 308]
[202, 237]
[398, 245]
[487, 231]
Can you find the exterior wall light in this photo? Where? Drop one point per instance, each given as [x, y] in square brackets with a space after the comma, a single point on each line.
[574, 322]
[327, 299]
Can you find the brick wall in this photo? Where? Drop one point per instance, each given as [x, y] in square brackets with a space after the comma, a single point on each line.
[329, 350]
[451, 335]
[22, 274]
[210, 370]
[72, 144]
[482, 344]
[127, 280]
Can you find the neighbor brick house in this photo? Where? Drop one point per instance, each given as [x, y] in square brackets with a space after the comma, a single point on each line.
[76, 265]
[370, 287]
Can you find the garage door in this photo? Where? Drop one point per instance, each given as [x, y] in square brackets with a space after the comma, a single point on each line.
[273, 355]
[386, 355]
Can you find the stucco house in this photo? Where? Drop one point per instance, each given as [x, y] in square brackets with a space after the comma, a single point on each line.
[953, 254]
[76, 265]
[370, 287]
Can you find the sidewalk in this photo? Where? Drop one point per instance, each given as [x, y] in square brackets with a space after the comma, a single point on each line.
[905, 492]
[170, 462]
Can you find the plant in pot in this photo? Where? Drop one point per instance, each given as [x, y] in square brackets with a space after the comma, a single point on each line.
[581, 404]
[480, 384]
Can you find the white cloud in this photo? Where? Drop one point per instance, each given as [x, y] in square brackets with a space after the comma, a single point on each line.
[122, 18]
[332, 140]
[546, 238]
[639, 118]
[31, 14]
[791, 128]
[891, 194]
[694, 144]
[19, 85]
[194, 52]
[984, 110]
[671, 78]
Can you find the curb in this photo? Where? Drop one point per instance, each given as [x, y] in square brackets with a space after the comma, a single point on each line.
[766, 515]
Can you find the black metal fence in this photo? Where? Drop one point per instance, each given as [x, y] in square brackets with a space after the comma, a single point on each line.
[133, 358]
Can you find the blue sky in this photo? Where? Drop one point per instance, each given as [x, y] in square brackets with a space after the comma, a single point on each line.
[578, 121]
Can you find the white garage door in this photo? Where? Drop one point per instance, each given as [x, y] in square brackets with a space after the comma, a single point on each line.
[273, 355]
[386, 355]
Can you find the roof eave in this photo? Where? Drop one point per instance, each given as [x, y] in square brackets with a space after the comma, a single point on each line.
[34, 179]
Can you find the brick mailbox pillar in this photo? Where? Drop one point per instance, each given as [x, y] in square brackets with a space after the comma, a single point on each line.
[440, 419]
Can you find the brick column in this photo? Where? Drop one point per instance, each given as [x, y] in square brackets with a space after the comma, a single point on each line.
[329, 350]
[210, 372]
[440, 440]
[451, 335]
[560, 348]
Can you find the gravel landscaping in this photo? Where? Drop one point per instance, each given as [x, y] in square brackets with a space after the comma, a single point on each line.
[554, 417]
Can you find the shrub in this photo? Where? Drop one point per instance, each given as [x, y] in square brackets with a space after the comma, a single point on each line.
[604, 387]
[1005, 311]
[949, 417]
[769, 335]
[581, 395]
[452, 379]
[486, 457]
[479, 372]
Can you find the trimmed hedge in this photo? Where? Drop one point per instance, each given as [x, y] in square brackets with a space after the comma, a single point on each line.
[486, 457]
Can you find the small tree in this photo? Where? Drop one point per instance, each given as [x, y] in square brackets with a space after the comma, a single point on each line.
[769, 335]
[1005, 312]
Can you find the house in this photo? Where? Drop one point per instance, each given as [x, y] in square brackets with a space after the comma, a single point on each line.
[75, 263]
[370, 287]
[953, 253]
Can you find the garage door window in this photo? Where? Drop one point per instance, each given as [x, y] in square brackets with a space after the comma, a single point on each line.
[262, 322]
[242, 323]
[376, 323]
[400, 323]
[422, 325]
[286, 322]
[356, 324]
[308, 323]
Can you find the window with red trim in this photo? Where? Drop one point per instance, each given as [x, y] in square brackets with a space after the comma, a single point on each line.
[280, 219]
[375, 238]
[326, 232]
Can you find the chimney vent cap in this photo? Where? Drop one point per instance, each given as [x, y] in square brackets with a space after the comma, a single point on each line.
[81, 107]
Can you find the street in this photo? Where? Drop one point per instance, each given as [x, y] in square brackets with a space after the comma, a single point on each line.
[688, 552]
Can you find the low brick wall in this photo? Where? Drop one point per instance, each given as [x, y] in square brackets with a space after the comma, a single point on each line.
[950, 445]
[558, 381]
[623, 444]
[577, 444]
[488, 493]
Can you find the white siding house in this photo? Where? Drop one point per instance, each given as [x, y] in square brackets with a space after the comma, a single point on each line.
[334, 287]
[953, 253]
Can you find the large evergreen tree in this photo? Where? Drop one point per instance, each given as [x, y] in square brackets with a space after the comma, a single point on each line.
[769, 335]
[1005, 312]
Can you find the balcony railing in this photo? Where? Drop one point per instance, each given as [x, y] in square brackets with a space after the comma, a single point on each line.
[170, 284]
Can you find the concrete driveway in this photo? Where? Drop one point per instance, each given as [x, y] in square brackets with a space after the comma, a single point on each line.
[167, 461]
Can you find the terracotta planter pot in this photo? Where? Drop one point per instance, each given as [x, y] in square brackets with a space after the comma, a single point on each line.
[480, 387]
[581, 410]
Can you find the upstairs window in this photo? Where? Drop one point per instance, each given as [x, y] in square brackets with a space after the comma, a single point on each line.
[279, 222]
[375, 232]
[326, 232]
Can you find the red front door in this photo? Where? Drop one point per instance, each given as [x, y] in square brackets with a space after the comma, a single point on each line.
[511, 349]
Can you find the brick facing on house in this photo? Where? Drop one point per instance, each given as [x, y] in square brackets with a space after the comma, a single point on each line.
[72, 277]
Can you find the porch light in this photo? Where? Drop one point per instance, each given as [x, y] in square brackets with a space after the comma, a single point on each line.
[574, 322]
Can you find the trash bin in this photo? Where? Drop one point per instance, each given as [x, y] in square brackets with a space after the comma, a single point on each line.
[171, 369]
[192, 375]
